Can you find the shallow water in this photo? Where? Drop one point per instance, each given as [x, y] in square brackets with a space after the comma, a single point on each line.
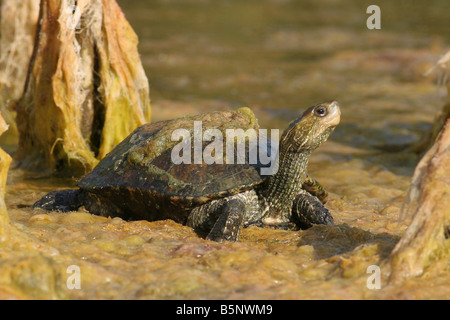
[278, 57]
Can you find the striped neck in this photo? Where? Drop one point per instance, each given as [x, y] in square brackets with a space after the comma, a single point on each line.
[281, 189]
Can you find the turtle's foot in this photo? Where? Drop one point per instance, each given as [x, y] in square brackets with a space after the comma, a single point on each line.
[63, 201]
[308, 211]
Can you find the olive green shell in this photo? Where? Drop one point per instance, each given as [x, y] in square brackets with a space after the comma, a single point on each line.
[140, 177]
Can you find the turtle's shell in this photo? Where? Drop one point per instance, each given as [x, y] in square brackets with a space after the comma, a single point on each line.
[140, 177]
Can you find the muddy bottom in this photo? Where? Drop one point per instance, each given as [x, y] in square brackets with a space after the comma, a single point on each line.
[119, 259]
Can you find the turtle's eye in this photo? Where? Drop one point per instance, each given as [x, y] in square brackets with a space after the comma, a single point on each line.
[320, 111]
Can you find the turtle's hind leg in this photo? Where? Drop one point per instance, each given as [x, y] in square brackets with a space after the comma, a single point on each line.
[62, 200]
[315, 188]
[72, 200]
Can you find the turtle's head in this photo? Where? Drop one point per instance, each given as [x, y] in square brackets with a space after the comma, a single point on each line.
[311, 129]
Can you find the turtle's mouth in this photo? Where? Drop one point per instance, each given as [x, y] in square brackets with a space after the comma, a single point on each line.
[334, 115]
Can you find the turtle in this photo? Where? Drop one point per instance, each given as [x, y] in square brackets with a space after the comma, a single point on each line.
[144, 177]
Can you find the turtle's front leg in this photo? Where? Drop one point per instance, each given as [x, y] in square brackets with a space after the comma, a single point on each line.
[308, 210]
[229, 224]
[221, 220]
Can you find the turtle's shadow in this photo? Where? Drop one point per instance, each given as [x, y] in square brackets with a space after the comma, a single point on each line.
[329, 241]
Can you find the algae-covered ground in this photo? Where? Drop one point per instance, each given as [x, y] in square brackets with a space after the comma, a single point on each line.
[278, 58]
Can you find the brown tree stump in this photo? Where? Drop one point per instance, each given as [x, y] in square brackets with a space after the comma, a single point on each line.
[86, 88]
[429, 200]
[5, 161]
[17, 28]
